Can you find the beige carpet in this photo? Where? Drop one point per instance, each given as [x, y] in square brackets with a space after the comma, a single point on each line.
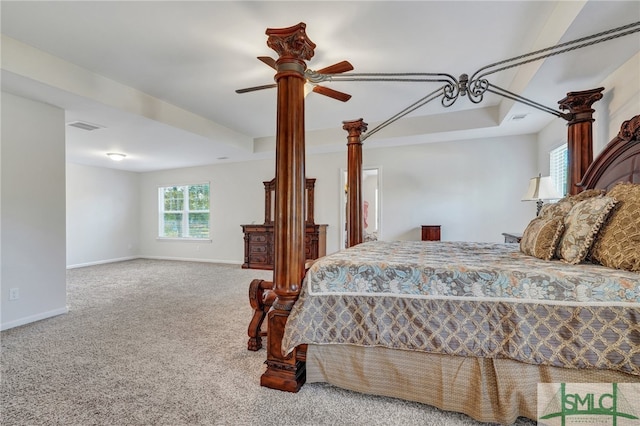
[150, 342]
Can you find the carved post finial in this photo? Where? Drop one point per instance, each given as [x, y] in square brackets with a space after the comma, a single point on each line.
[579, 133]
[355, 128]
[292, 46]
[579, 104]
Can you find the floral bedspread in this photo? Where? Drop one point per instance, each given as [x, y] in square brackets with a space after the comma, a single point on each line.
[471, 299]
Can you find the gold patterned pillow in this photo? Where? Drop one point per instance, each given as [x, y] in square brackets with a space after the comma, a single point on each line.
[587, 193]
[558, 209]
[618, 243]
[581, 226]
[561, 207]
[541, 237]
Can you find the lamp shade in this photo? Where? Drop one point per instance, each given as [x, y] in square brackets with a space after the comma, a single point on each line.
[541, 188]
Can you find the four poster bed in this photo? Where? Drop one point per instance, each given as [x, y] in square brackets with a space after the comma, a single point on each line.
[466, 327]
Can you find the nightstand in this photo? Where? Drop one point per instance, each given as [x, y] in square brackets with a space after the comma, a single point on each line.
[512, 237]
[430, 232]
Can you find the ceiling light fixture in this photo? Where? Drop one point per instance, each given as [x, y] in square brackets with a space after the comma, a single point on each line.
[116, 156]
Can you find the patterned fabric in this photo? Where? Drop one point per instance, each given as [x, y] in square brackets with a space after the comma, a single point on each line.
[558, 209]
[541, 237]
[618, 243]
[587, 193]
[561, 207]
[471, 299]
[581, 226]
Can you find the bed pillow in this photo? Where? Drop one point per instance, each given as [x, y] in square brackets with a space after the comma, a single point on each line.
[541, 237]
[558, 209]
[618, 243]
[582, 223]
[561, 207]
[587, 193]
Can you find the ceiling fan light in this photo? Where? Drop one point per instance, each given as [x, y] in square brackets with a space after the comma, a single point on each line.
[308, 88]
[116, 156]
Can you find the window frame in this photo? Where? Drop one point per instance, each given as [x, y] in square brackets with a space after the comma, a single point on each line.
[554, 169]
[185, 213]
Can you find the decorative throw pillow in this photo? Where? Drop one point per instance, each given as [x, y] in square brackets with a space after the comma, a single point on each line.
[541, 237]
[558, 209]
[561, 207]
[618, 243]
[587, 193]
[581, 226]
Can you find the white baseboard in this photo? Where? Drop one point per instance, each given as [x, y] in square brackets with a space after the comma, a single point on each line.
[187, 259]
[101, 262]
[184, 259]
[33, 318]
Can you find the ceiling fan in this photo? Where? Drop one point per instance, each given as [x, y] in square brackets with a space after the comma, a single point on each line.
[312, 78]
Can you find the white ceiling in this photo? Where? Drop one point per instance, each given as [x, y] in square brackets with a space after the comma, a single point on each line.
[161, 76]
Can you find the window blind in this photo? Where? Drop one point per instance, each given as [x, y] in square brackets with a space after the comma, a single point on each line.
[558, 167]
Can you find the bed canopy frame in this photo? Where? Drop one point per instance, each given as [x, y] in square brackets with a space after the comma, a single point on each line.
[294, 48]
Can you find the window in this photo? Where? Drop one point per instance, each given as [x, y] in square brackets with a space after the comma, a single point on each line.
[184, 211]
[558, 166]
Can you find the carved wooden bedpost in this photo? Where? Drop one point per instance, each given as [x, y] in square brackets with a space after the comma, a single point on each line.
[579, 134]
[355, 224]
[293, 48]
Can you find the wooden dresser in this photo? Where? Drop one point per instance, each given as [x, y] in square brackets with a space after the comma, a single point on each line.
[258, 238]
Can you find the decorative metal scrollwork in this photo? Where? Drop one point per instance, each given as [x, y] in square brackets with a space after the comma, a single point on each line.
[475, 87]
[474, 90]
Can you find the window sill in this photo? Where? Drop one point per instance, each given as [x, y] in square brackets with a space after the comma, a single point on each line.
[184, 240]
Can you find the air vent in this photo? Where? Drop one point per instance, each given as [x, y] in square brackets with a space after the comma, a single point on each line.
[84, 125]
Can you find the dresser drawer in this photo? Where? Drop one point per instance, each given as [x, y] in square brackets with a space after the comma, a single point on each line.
[258, 249]
[256, 259]
[258, 238]
[259, 244]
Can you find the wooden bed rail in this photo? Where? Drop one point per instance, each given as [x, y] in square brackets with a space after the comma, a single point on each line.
[261, 298]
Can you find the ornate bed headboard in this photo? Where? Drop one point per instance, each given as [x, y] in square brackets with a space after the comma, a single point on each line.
[619, 161]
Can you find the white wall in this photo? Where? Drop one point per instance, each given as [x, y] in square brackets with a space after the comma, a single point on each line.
[237, 197]
[472, 188]
[103, 215]
[620, 101]
[33, 211]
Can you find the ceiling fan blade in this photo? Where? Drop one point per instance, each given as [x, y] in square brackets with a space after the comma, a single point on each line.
[268, 60]
[338, 68]
[332, 93]
[253, 89]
